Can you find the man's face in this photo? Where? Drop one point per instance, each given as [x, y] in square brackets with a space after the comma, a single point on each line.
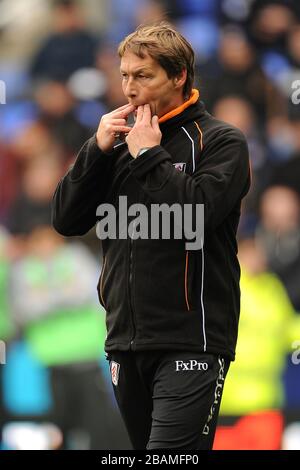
[144, 81]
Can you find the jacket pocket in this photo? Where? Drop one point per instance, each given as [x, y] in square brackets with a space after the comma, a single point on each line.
[101, 284]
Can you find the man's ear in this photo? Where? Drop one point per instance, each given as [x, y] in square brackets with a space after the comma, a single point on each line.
[180, 80]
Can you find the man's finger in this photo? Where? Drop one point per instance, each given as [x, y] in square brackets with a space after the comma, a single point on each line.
[118, 129]
[139, 115]
[117, 110]
[117, 122]
[123, 111]
[147, 114]
[154, 122]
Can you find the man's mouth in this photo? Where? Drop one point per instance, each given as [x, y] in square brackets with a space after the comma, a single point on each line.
[142, 104]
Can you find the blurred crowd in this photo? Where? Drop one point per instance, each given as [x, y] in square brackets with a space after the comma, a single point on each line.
[59, 72]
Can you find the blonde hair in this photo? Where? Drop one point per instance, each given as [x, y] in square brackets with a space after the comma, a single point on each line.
[165, 45]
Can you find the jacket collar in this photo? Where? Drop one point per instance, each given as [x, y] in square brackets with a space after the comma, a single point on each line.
[192, 100]
[191, 110]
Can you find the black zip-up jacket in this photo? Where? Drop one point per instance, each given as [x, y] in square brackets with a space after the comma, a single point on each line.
[158, 295]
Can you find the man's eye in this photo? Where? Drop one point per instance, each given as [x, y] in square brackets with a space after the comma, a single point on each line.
[124, 75]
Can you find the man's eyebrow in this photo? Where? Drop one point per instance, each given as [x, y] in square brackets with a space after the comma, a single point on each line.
[140, 69]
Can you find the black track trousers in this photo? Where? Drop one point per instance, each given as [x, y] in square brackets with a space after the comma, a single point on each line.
[168, 399]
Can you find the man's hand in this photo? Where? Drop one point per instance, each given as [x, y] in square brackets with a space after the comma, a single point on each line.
[112, 124]
[145, 132]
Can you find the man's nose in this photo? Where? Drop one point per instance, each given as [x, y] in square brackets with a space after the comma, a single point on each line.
[130, 88]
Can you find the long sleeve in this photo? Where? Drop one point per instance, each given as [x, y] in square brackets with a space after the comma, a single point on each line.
[81, 190]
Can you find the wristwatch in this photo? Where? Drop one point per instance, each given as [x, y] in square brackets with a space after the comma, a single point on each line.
[142, 150]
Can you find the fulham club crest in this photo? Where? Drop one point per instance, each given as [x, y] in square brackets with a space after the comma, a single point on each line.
[180, 166]
[114, 370]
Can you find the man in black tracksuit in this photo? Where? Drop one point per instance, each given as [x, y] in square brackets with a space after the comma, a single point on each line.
[172, 313]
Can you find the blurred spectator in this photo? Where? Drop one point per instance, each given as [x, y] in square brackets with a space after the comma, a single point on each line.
[34, 141]
[288, 174]
[22, 25]
[8, 181]
[31, 144]
[268, 328]
[286, 76]
[279, 233]
[240, 113]
[6, 325]
[287, 170]
[57, 113]
[32, 204]
[53, 303]
[271, 21]
[68, 48]
[281, 141]
[294, 46]
[7, 329]
[237, 72]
